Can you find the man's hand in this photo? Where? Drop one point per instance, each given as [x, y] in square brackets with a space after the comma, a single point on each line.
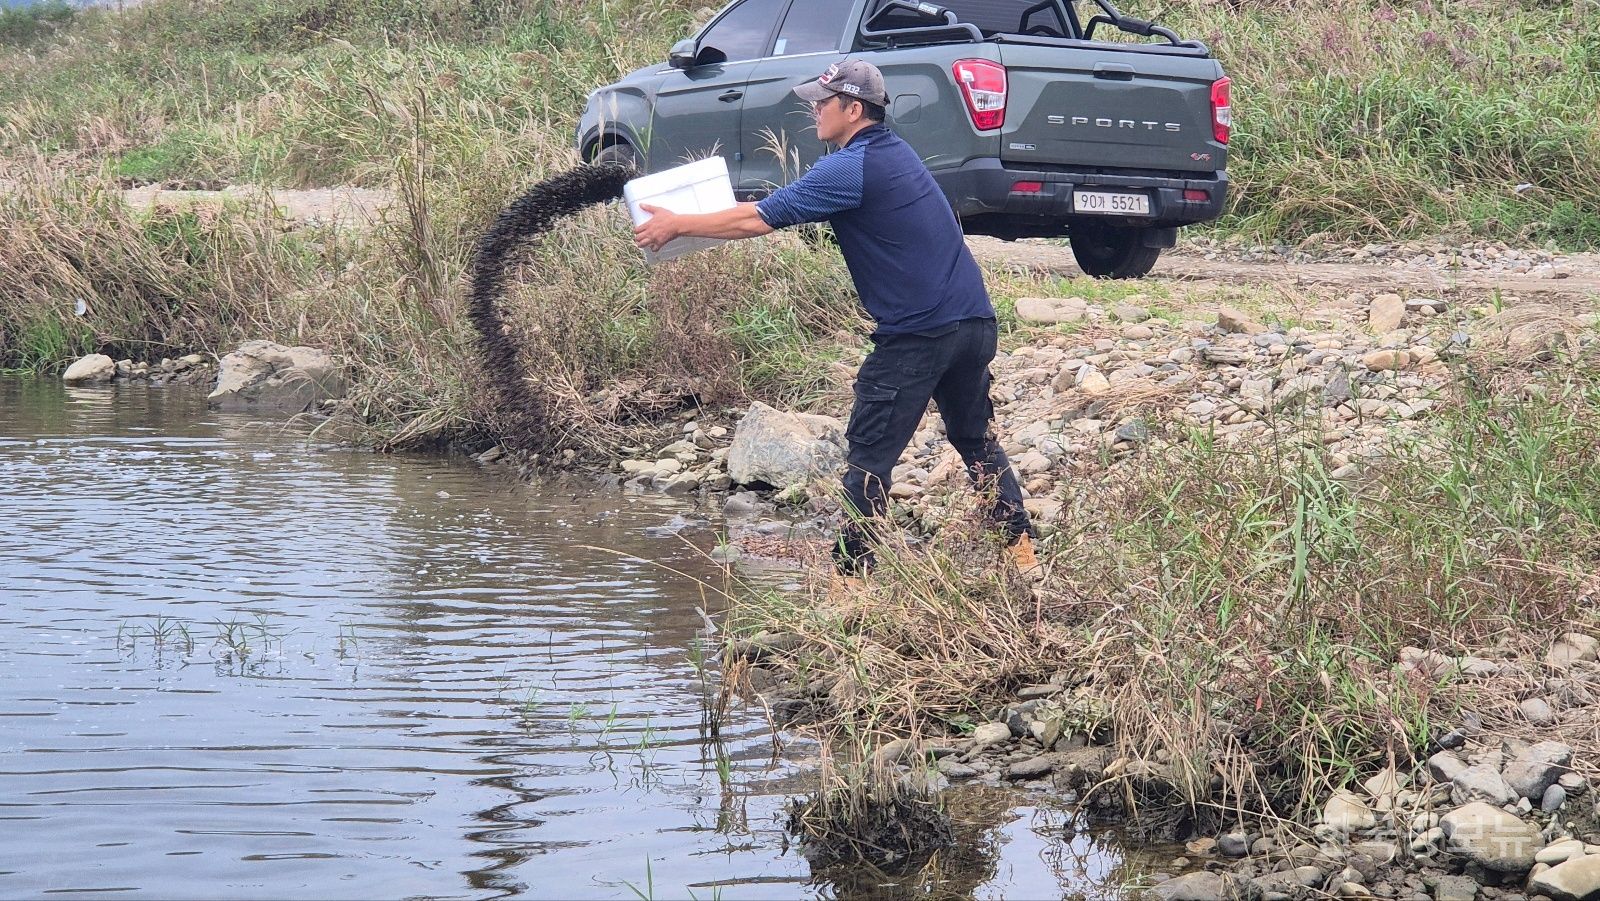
[660, 228]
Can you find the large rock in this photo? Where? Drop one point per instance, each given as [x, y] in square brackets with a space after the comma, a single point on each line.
[1481, 783]
[1385, 314]
[264, 377]
[1540, 341]
[1456, 888]
[1234, 321]
[93, 368]
[1560, 852]
[1496, 840]
[1445, 766]
[1574, 647]
[1537, 711]
[1348, 813]
[1290, 882]
[1386, 360]
[990, 734]
[1130, 313]
[1205, 886]
[1430, 664]
[783, 450]
[1032, 768]
[1051, 310]
[1531, 332]
[1092, 381]
[1385, 788]
[1575, 880]
[1538, 768]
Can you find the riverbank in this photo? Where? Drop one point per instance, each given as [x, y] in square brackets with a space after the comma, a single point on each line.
[1290, 544]
[1281, 561]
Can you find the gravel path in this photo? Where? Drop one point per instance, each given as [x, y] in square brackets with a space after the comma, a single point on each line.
[1427, 268]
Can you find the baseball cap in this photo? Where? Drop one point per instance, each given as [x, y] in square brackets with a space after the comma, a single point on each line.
[852, 78]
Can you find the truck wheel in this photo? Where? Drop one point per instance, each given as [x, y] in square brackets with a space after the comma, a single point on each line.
[1104, 252]
[618, 154]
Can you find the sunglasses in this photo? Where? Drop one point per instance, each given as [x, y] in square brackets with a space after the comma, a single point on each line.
[817, 105]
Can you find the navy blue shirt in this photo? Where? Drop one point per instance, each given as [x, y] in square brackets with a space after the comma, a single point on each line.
[898, 234]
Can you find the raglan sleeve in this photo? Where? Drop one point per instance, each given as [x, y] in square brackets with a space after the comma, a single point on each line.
[832, 186]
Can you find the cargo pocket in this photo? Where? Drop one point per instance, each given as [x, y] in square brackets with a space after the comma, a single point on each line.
[873, 411]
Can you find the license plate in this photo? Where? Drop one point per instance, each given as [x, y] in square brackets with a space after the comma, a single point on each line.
[1111, 203]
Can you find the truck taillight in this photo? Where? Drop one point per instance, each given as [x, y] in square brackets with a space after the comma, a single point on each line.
[983, 86]
[1221, 110]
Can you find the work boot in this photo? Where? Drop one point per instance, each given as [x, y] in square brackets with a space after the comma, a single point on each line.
[840, 583]
[1023, 557]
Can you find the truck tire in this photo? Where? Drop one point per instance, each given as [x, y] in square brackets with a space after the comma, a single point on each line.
[1105, 252]
[619, 154]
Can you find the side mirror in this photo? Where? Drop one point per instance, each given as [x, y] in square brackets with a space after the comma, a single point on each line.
[682, 55]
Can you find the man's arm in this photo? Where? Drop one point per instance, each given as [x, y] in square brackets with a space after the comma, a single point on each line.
[741, 221]
[835, 184]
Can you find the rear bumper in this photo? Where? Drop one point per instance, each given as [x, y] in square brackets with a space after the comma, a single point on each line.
[982, 190]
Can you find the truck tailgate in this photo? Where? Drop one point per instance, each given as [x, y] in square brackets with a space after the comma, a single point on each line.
[1085, 108]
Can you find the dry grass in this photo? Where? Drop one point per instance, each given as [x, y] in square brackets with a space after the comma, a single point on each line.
[614, 342]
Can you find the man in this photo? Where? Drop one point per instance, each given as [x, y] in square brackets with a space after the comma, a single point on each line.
[935, 333]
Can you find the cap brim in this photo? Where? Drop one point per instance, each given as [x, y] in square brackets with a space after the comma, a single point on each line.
[814, 90]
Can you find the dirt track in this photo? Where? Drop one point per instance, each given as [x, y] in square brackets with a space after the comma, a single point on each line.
[1579, 289]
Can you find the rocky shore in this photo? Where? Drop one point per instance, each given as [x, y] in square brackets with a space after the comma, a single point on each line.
[1503, 806]
[258, 376]
[1440, 256]
[99, 369]
[1091, 386]
[1489, 815]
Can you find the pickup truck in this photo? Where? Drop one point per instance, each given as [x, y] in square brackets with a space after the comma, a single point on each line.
[1031, 125]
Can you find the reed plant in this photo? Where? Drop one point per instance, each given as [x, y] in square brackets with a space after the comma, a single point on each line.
[1368, 119]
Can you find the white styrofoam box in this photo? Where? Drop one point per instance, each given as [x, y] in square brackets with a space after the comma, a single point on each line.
[699, 187]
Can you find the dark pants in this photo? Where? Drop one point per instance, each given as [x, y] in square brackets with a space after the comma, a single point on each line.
[892, 391]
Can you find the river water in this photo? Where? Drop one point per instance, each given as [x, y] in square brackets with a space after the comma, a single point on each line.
[235, 663]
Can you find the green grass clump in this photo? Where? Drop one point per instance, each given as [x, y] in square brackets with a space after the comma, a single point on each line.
[27, 26]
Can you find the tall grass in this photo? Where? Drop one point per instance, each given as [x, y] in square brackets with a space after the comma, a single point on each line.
[308, 93]
[614, 343]
[1367, 118]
